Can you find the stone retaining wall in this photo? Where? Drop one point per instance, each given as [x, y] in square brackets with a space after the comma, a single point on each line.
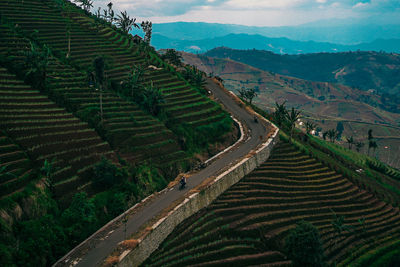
[196, 201]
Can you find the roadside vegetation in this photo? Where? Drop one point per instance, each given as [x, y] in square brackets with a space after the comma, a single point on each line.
[307, 205]
[86, 134]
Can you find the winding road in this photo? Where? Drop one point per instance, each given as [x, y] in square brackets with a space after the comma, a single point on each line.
[102, 248]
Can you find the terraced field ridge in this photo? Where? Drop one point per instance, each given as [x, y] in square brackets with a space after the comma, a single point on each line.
[16, 168]
[126, 127]
[48, 22]
[47, 132]
[248, 223]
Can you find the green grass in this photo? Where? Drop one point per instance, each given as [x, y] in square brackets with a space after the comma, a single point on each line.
[381, 256]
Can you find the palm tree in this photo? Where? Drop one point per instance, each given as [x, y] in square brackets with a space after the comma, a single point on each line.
[36, 63]
[152, 99]
[86, 4]
[133, 83]
[372, 144]
[173, 57]
[310, 126]
[99, 66]
[332, 135]
[292, 117]
[280, 113]
[125, 23]
[111, 14]
[147, 27]
[359, 145]
[350, 141]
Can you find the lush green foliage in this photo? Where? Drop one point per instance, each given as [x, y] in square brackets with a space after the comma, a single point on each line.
[106, 174]
[173, 57]
[196, 139]
[303, 245]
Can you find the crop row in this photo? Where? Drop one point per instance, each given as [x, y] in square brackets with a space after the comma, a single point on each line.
[123, 122]
[46, 137]
[90, 42]
[267, 203]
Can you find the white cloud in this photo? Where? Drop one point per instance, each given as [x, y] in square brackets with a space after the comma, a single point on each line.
[252, 12]
[361, 5]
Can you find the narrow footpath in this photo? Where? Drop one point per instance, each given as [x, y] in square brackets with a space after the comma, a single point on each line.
[104, 247]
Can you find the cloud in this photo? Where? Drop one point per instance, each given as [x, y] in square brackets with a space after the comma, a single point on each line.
[253, 12]
[151, 8]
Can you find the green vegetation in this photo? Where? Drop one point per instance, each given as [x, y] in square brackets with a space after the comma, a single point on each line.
[303, 245]
[89, 124]
[263, 209]
[363, 70]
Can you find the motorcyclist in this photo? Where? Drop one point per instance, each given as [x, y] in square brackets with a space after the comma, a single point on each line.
[183, 182]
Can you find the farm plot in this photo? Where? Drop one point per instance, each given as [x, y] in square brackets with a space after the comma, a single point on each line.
[248, 223]
[125, 126]
[48, 132]
[88, 41]
[15, 167]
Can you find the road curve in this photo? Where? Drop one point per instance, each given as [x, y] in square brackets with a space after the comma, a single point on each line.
[102, 249]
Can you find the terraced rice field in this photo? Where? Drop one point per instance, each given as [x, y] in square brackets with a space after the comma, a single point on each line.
[247, 224]
[126, 127]
[89, 41]
[48, 132]
[15, 165]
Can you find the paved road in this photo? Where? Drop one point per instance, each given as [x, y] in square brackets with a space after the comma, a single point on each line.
[97, 254]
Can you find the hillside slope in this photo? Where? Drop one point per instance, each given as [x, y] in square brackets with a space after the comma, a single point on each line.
[327, 104]
[87, 40]
[252, 218]
[364, 70]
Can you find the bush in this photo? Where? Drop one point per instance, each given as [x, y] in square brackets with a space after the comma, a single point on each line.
[303, 245]
[106, 174]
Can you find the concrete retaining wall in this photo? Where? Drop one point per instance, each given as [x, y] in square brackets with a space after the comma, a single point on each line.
[192, 204]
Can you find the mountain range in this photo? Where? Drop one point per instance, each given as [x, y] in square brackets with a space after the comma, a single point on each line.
[324, 103]
[322, 36]
[368, 71]
[280, 45]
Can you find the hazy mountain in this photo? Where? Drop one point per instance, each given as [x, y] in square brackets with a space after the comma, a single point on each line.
[348, 32]
[276, 45]
[325, 103]
[375, 71]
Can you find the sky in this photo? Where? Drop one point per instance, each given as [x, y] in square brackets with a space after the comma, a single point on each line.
[257, 12]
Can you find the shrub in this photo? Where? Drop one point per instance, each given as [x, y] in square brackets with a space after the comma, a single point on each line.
[303, 245]
[106, 174]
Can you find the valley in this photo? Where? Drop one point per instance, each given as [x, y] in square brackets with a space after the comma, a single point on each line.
[324, 103]
[113, 153]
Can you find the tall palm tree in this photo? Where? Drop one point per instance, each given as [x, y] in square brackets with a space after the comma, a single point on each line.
[152, 99]
[147, 27]
[36, 63]
[332, 135]
[125, 23]
[310, 126]
[292, 117]
[350, 141]
[280, 113]
[372, 144]
[133, 83]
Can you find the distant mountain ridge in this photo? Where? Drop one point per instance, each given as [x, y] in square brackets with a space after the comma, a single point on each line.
[281, 45]
[379, 72]
[345, 32]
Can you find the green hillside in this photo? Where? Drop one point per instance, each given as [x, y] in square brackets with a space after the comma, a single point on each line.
[376, 71]
[326, 104]
[75, 151]
[247, 225]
